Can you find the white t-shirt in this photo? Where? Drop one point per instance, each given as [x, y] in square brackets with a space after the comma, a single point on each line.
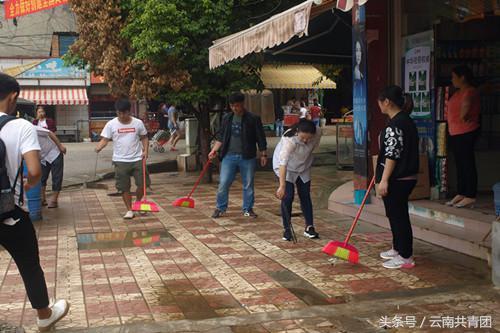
[303, 113]
[49, 151]
[127, 146]
[19, 137]
[42, 123]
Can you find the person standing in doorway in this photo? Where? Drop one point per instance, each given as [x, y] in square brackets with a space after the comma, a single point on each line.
[130, 147]
[396, 173]
[17, 235]
[42, 120]
[240, 132]
[315, 111]
[279, 116]
[52, 157]
[173, 126]
[464, 125]
[292, 162]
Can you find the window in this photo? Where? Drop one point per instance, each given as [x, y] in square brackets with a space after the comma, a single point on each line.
[65, 42]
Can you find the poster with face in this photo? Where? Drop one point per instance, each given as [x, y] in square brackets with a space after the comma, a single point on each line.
[360, 108]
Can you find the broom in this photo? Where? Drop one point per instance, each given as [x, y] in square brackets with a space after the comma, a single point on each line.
[343, 250]
[187, 201]
[144, 205]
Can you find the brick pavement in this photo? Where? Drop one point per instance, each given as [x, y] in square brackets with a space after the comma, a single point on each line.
[181, 268]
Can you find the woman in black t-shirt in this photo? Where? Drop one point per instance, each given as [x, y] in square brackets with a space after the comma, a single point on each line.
[396, 173]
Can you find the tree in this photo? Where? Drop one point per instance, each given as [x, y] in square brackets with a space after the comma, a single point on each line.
[159, 48]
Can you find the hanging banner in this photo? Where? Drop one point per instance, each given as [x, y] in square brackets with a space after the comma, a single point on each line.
[360, 102]
[417, 80]
[16, 8]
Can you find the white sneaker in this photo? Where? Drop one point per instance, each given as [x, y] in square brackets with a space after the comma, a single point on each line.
[399, 262]
[389, 254]
[59, 311]
[130, 215]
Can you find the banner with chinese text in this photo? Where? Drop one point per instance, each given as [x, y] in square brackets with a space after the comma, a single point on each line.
[16, 8]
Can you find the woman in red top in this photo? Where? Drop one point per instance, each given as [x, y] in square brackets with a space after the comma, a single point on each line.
[463, 125]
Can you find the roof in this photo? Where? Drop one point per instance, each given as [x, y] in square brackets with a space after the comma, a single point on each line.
[295, 77]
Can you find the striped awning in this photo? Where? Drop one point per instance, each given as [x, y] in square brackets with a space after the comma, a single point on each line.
[56, 96]
[294, 77]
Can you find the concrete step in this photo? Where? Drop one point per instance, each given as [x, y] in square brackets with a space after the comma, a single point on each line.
[459, 230]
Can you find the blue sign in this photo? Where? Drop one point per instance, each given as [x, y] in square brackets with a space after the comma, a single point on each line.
[360, 107]
[54, 68]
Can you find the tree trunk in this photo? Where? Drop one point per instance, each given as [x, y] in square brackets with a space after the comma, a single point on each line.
[205, 138]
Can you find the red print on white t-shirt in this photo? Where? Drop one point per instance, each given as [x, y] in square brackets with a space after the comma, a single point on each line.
[126, 130]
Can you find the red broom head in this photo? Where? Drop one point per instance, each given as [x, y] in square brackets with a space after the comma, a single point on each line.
[342, 251]
[184, 202]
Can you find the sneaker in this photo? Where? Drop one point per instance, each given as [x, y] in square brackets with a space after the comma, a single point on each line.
[311, 233]
[287, 235]
[130, 215]
[389, 254]
[250, 213]
[399, 262]
[59, 311]
[218, 213]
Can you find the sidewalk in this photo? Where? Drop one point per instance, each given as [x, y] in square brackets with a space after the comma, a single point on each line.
[181, 271]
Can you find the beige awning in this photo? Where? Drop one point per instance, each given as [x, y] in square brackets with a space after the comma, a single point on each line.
[294, 77]
[276, 30]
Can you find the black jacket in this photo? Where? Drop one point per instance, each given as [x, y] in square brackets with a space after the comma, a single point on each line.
[252, 135]
[399, 142]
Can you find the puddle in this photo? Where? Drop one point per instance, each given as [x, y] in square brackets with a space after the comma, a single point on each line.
[116, 240]
[193, 305]
[300, 287]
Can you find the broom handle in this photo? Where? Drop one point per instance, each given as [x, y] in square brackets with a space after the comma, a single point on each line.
[144, 179]
[205, 168]
[372, 183]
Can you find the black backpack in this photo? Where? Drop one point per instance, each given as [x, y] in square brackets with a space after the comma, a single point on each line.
[7, 192]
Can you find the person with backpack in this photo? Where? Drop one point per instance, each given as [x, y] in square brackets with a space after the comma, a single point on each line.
[292, 162]
[19, 145]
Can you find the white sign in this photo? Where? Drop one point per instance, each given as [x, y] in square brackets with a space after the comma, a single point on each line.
[417, 80]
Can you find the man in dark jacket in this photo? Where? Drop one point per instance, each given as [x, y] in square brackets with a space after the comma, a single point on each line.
[240, 132]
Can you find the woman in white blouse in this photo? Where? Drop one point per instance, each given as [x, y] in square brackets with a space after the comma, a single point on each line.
[292, 163]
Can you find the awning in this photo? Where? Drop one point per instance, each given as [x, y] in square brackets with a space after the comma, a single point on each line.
[295, 77]
[56, 96]
[276, 30]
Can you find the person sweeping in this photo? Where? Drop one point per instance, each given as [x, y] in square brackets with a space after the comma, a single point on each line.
[292, 161]
[130, 148]
[396, 173]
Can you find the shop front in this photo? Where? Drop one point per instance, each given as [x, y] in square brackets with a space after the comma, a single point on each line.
[426, 40]
[62, 91]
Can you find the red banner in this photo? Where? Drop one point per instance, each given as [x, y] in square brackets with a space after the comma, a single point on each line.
[15, 8]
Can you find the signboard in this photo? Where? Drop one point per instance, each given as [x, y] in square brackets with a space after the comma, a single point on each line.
[417, 80]
[16, 8]
[360, 102]
[54, 69]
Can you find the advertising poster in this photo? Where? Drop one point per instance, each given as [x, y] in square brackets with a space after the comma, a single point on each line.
[16, 8]
[417, 80]
[360, 103]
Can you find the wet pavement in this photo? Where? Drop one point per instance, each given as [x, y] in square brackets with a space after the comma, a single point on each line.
[181, 271]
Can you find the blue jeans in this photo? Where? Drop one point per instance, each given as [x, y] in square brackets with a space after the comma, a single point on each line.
[304, 191]
[278, 126]
[231, 163]
[316, 122]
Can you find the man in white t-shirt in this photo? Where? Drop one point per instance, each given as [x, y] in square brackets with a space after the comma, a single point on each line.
[130, 147]
[17, 234]
[52, 158]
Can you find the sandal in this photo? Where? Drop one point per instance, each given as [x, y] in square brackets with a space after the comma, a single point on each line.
[52, 205]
